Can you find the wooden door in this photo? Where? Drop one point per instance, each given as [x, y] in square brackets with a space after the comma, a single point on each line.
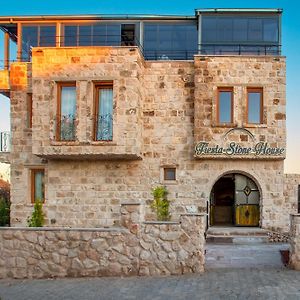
[247, 211]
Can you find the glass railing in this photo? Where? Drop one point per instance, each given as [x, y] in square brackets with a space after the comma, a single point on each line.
[5, 141]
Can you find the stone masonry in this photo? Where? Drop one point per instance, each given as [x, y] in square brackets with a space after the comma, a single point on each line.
[295, 242]
[161, 110]
[136, 248]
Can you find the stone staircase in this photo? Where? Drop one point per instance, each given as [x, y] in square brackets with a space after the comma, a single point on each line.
[236, 235]
[241, 247]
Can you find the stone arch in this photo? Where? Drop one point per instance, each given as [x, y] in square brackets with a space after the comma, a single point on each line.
[242, 172]
[235, 209]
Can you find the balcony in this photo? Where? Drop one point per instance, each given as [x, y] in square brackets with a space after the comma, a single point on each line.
[5, 145]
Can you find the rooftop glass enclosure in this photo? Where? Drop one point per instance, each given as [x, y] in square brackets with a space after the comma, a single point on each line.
[210, 32]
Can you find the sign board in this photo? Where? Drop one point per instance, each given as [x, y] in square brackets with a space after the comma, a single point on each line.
[231, 148]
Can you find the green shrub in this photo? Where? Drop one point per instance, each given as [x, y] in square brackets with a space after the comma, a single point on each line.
[37, 218]
[160, 203]
[4, 212]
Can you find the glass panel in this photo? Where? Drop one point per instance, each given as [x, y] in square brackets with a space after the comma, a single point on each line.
[254, 107]
[105, 115]
[271, 30]
[99, 35]
[70, 35]
[114, 35]
[85, 35]
[39, 185]
[225, 30]
[240, 198]
[253, 198]
[250, 34]
[252, 184]
[47, 36]
[29, 40]
[170, 174]
[240, 29]
[225, 107]
[240, 182]
[68, 113]
[255, 30]
[170, 41]
[209, 29]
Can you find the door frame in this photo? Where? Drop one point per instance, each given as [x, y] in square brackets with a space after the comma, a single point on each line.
[243, 173]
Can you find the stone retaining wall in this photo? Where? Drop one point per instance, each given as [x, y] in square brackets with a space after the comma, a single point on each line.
[137, 248]
[295, 242]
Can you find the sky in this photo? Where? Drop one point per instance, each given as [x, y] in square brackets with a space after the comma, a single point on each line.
[290, 41]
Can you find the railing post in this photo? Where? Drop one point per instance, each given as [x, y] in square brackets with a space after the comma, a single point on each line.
[6, 51]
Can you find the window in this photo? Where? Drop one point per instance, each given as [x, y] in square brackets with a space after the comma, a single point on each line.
[254, 106]
[170, 40]
[225, 34]
[37, 185]
[225, 105]
[169, 173]
[37, 36]
[99, 34]
[104, 112]
[29, 110]
[66, 112]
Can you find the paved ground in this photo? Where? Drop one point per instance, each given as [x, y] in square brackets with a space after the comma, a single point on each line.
[215, 284]
[259, 256]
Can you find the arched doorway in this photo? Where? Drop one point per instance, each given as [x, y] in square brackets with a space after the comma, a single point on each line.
[234, 201]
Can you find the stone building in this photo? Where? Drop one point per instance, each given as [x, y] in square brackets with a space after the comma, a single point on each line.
[104, 108]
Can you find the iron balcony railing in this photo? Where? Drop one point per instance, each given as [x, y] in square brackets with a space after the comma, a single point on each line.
[5, 141]
[239, 49]
[104, 128]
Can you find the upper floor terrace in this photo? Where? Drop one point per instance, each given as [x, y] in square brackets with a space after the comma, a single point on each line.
[208, 32]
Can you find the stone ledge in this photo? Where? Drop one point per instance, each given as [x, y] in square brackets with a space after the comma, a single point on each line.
[161, 223]
[194, 214]
[102, 229]
[131, 203]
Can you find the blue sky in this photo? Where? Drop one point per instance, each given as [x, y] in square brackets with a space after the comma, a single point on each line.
[290, 41]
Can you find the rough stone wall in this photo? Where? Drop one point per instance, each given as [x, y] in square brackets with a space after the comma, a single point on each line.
[291, 183]
[87, 66]
[135, 249]
[240, 73]
[21, 157]
[295, 242]
[4, 80]
[154, 119]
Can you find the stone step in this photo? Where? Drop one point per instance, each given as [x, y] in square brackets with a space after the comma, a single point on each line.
[236, 231]
[233, 256]
[237, 239]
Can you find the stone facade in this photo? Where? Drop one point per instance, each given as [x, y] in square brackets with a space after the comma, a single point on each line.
[295, 242]
[162, 109]
[137, 248]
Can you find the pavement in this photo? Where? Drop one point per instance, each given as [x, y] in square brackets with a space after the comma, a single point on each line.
[251, 255]
[276, 283]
